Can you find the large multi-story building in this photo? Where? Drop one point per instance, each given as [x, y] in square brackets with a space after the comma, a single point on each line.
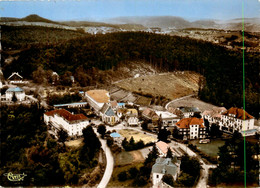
[97, 98]
[236, 119]
[191, 128]
[63, 119]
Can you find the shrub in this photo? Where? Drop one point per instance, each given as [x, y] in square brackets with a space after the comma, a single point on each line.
[122, 176]
[133, 172]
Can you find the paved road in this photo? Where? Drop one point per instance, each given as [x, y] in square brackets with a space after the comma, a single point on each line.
[166, 106]
[110, 165]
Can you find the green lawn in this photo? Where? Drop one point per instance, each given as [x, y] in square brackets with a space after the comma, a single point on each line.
[210, 148]
[123, 158]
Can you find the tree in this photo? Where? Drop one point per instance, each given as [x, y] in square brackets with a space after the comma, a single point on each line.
[133, 172]
[91, 144]
[132, 141]
[122, 176]
[186, 180]
[14, 98]
[175, 133]
[190, 166]
[110, 141]
[144, 124]
[124, 142]
[65, 79]
[169, 153]
[167, 178]
[215, 131]
[101, 130]
[39, 76]
[163, 135]
[62, 135]
[152, 156]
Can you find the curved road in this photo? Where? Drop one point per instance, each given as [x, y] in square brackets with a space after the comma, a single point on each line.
[166, 106]
[110, 165]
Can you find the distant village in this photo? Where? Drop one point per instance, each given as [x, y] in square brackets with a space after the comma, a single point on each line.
[189, 122]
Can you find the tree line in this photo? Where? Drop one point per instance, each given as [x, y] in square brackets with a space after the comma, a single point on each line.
[86, 56]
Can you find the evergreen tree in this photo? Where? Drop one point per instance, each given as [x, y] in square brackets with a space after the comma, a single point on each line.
[169, 153]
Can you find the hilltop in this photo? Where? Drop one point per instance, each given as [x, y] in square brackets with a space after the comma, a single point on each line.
[36, 18]
[29, 18]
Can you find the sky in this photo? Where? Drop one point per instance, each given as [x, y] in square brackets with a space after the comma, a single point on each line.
[98, 10]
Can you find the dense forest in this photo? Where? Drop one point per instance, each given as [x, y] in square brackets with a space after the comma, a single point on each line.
[26, 148]
[82, 57]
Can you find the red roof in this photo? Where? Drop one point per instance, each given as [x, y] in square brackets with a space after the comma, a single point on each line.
[238, 112]
[66, 115]
[186, 122]
[113, 104]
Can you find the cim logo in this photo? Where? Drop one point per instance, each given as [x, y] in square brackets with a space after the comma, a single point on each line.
[15, 177]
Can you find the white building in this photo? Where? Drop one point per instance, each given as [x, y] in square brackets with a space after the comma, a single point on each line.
[16, 78]
[63, 119]
[236, 119]
[165, 166]
[132, 117]
[18, 92]
[231, 120]
[191, 128]
[97, 98]
[188, 111]
[168, 119]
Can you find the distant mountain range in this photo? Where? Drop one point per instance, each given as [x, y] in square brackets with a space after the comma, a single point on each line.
[251, 24]
[164, 22]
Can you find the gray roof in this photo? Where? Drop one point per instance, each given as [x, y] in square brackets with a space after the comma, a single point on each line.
[17, 89]
[110, 112]
[106, 109]
[189, 109]
[164, 166]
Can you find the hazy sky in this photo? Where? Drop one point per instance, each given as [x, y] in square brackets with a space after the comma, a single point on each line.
[102, 9]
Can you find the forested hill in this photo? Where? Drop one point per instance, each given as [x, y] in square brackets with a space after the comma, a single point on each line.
[222, 68]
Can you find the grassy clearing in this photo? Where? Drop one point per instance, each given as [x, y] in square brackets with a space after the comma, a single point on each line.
[145, 101]
[169, 85]
[210, 148]
[74, 143]
[114, 179]
[128, 133]
[127, 158]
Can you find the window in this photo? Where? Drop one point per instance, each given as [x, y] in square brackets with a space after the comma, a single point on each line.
[196, 129]
[157, 176]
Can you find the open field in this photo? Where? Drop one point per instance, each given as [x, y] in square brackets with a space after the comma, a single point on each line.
[128, 133]
[210, 148]
[191, 102]
[170, 85]
[74, 143]
[128, 157]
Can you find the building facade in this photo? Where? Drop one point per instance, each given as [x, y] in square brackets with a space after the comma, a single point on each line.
[18, 92]
[191, 128]
[97, 98]
[63, 119]
[164, 166]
